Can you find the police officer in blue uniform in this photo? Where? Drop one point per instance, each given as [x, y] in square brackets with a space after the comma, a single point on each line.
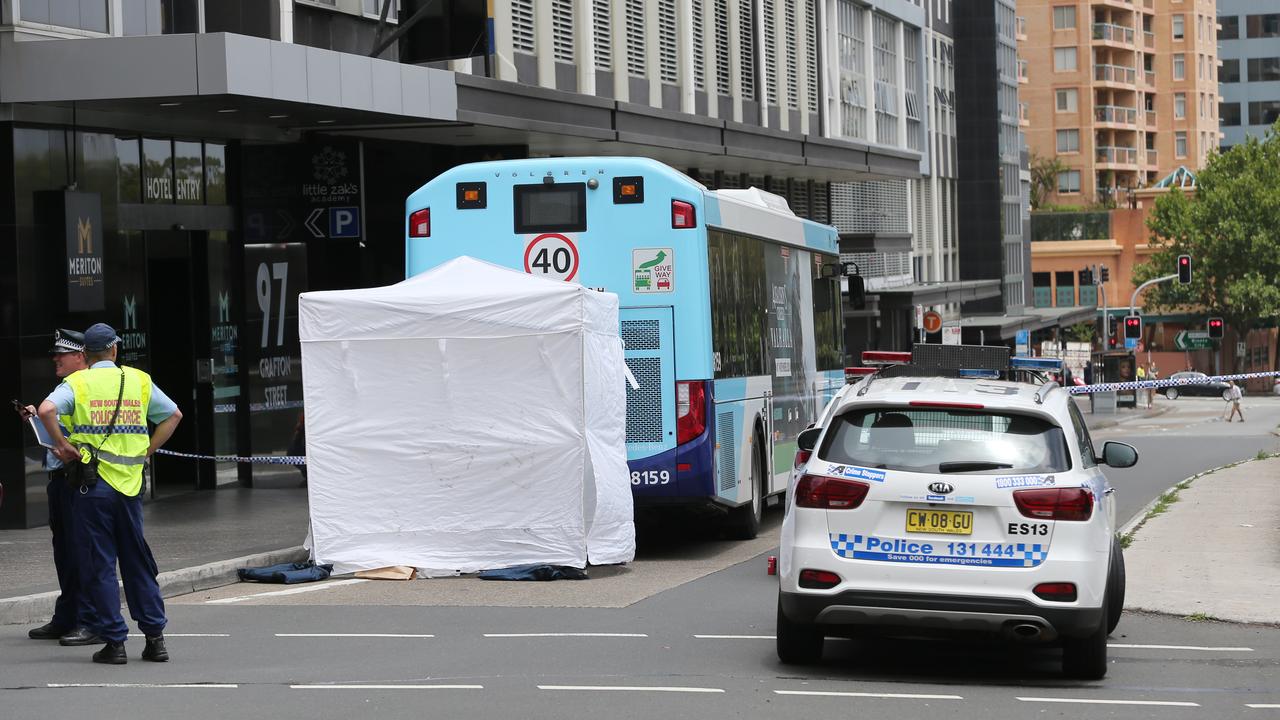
[109, 408]
[72, 614]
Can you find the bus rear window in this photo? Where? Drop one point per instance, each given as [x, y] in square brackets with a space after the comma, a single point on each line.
[543, 208]
[947, 441]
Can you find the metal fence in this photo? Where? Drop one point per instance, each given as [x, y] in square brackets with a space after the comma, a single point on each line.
[1070, 226]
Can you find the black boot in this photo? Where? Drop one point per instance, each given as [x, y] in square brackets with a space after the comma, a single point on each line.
[155, 650]
[79, 636]
[48, 631]
[111, 654]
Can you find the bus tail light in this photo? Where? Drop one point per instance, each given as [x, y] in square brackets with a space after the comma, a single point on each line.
[691, 410]
[1055, 503]
[682, 216]
[828, 493]
[420, 223]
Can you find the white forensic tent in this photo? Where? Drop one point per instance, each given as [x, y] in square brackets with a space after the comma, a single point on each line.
[468, 418]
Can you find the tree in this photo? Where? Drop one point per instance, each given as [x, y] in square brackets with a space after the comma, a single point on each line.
[1231, 229]
[1044, 178]
[1081, 332]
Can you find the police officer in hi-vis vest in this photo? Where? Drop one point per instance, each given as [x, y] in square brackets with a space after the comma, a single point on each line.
[107, 408]
[72, 614]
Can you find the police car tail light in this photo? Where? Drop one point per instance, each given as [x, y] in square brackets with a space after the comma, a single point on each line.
[691, 410]
[420, 223]
[1055, 503]
[818, 579]
[802, 457]
[682, 215]
[1056, 591]
[828, 493]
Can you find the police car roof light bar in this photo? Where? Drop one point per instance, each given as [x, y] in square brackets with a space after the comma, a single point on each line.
[1035, 363]
[979, 374]
[885, 357]
[859, 371]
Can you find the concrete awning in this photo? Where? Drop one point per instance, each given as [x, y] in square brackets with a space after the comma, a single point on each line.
[1006, 327]
[938, 293]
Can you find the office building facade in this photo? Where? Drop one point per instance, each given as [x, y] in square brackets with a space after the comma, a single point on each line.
[1249, 78]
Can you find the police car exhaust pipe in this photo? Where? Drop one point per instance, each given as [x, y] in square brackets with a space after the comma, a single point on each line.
[1027, 631]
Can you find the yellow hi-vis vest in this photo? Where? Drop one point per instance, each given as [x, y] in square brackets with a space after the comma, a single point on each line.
[122, 455]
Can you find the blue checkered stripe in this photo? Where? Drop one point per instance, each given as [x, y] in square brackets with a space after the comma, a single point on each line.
[1166, 383]
[933, 552]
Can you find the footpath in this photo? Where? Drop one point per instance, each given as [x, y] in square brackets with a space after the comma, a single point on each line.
[1215, 552]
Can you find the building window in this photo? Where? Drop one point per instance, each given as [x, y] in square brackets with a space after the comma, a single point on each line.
[1064, 17]
[1264, 112]
[1179, 105]
[668, 70]
[1262, 26]
[884, 38]
[1179, 66]
[851, 20]
[1264, 69]
[562, 30]
[723, 76]
[1179, 27]
[602, 34]
[1230, 71]
[1067, 99]
[1068, 182]
[746, 48]
[1180, 144]
[88, 15]
[1200, 71]
[1068, 141]
[1064, 59]
[1230, 27]
[522, 36]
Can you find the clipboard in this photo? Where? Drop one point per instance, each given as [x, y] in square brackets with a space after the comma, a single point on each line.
[42, 436]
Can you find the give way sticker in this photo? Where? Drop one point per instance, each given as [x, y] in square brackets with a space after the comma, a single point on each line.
[551, 255]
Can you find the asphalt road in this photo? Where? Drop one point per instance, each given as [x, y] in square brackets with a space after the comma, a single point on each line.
[686, 631]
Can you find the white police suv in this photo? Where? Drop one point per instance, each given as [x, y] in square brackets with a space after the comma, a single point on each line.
[944, 500]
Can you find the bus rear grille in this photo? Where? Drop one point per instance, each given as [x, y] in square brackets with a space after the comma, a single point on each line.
[644, 405]
[641, 335]
[726, 438]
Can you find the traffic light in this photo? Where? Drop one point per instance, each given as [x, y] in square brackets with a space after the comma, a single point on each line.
[1184, 269]
[1111, 326]
[1086, 277]
[1215, 328]
[1106, 274]
[1111, 343]
[1132, 326]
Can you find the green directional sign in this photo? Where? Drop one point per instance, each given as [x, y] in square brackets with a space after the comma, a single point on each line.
[1193, 340]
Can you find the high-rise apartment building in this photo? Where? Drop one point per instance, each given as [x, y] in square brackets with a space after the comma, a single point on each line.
[1121, 91]
[1249, 79]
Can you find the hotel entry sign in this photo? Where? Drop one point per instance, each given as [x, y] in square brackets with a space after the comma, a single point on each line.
[82, 214]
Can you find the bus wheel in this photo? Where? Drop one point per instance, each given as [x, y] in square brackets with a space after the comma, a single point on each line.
[744, 522]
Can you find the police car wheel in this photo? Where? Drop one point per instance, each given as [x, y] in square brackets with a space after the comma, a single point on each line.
[1115, 587]
[1086, 658]
[797, 644]
[1171, 393]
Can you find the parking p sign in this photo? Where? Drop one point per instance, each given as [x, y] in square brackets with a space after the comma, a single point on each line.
[344, 222]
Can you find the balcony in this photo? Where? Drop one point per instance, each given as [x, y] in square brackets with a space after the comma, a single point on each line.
[1110, 32]
[1149, 79]
[1151, 158]
[1148, 38]
[1115, 74]
[1115, 115]
[1106, 155]
[1150, 116]
[1022, 28]
[1022, 72]
[1024, 114]
[1122, 4]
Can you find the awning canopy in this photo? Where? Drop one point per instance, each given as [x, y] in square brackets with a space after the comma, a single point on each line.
[938, 293]
[1006, 327]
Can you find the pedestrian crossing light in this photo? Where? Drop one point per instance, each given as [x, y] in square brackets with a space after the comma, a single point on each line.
[1132, 326]
[1184, 269]
[1215, 328]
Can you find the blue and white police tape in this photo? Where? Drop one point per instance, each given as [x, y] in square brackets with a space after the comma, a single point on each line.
[1167, 382]
[258, 460]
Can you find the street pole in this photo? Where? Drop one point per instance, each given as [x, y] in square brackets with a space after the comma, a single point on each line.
[1133, 301]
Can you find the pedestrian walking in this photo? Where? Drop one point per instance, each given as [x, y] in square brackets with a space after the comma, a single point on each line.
[1234, 395]
[109, 407]
[72, 613]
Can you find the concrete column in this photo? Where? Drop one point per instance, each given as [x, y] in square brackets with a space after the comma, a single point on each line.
[710, 70]
[503, 42]
[653, 52]
[584, 45]
[544, 44]
[735, 57]
[684, 54]
[621, 85]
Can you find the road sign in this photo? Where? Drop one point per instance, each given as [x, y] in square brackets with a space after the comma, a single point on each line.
[932, 322]
[1023, 342]
[553, 256]
[344, 222]
[951, 334]
[1130, 343]
[1192, 340]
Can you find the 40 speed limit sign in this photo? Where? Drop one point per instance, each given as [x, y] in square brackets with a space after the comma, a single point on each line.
[551, 255]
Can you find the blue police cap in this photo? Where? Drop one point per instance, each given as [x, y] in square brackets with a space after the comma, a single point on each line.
[99, 337]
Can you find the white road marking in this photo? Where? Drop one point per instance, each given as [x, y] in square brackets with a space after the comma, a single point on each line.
[143, 685]
[580, 634]
[1263, 706]
[350, 635]
[386, 687]
[1181, 647]
[821, 693]
[1088, 701]
[290, 591]
[174, 635]
[736, 637]
[633, 688]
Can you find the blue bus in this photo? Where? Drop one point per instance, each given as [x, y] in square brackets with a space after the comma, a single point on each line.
[730, 308]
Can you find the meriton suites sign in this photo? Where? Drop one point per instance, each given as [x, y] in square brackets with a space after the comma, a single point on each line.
[82, 215]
